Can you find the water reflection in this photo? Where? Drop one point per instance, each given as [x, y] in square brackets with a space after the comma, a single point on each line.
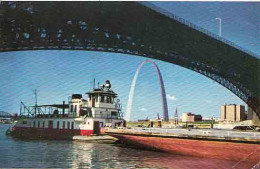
[68, 154]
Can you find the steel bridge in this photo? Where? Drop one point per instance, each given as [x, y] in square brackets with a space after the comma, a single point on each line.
[131, 28]
[4, 115]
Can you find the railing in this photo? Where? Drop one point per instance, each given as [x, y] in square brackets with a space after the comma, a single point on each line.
[209, 33]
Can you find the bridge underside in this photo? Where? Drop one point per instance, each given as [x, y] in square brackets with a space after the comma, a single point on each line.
[130, 28]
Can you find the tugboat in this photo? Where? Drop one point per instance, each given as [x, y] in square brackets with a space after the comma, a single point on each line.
[82, 117]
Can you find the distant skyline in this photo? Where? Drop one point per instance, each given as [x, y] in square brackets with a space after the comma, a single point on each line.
[58, 74]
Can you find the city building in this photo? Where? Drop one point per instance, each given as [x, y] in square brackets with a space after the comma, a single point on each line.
[233, 113]
[189, 117]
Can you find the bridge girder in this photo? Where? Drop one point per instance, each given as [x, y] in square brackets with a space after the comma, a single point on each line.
[130, 28]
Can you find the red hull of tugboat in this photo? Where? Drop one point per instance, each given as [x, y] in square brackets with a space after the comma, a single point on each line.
[45, 133]
[243, 152]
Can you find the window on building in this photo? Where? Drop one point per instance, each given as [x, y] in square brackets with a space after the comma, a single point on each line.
[71, 108]
[68, 125]
[39, 124]
[43, 124]
[72, 125]
[34, 124]
[58, 125]
[63, 125]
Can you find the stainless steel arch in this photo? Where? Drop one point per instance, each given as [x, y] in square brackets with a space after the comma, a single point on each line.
[163, 95]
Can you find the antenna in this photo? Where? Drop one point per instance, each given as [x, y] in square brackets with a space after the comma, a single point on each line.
[35, 92]
[94, 83]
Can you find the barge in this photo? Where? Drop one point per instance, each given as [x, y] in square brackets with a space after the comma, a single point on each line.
[240, 149]
[80, 117]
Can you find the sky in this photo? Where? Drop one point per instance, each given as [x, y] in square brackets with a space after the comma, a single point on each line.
[58, 74]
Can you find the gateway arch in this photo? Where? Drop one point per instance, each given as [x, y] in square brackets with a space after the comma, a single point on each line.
[162, 89]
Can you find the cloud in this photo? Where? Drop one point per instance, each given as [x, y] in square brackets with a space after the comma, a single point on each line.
[143, 109]
[171, 97]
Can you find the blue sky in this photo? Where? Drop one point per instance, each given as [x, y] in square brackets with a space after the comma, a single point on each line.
[58, 74]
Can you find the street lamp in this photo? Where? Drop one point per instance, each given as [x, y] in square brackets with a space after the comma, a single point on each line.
[219, 26]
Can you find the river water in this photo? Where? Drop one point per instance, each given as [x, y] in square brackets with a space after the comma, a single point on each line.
[15, 153]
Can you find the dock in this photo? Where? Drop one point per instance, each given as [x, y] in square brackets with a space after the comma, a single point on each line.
[98, 138]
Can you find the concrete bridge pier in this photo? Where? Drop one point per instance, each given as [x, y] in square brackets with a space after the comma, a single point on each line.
[253, 116]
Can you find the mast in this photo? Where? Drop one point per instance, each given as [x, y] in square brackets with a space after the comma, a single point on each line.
[94, 84]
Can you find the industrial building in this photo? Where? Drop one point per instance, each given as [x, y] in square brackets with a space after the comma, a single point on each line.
[233, 113]
[189, 117]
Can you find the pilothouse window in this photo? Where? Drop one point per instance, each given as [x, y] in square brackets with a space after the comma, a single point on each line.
[113, 113]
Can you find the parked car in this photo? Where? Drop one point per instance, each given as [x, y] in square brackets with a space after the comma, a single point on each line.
[244, 128]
